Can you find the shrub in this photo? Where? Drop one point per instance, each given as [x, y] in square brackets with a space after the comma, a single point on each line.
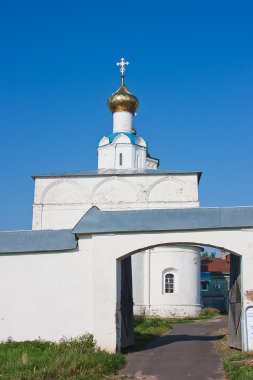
[209, 311]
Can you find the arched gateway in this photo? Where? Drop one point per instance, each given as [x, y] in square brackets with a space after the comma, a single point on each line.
[116, 235]
[59, 283]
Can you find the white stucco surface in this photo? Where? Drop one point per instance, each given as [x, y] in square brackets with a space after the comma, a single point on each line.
[46, 295]
[61, 202]
[122, 121]
[132, 155]
[149, 295]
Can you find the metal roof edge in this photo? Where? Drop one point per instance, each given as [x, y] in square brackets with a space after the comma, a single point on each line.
[180, 219]
[114, 172]
[31, 241]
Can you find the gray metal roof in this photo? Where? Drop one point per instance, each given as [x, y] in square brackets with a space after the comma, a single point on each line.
[97, 221]
[37, 241]
[113, 172]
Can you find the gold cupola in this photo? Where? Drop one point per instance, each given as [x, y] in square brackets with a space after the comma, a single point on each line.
[122, 99]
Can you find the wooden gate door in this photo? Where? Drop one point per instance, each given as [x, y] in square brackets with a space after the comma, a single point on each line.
[127, 317]
[235, 303]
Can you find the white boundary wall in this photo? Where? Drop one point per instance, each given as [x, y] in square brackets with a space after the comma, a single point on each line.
[45, 295]
[52, 295]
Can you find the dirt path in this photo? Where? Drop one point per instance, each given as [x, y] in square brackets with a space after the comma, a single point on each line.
[185, 352]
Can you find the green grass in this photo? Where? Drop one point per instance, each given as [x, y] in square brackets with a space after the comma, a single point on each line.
[147, 329]
[73, 360]
[239, 366]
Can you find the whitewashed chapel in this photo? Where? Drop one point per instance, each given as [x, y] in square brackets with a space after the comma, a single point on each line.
[71, 273]
[166, 280]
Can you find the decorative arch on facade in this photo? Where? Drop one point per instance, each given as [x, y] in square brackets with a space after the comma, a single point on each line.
[113, 190]
[104, 141]
[169, 188]
[122, 139]
[140, 141]
[59, 192]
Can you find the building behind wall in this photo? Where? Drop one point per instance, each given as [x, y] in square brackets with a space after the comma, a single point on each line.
[166, 281]
[215, 277]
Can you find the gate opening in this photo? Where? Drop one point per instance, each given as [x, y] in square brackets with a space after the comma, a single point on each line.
[234, 304]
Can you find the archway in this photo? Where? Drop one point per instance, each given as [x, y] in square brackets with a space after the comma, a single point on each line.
[126, 301]
[115, 235]
[110, 249]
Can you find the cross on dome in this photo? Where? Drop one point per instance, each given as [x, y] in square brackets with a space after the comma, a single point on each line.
[122, 99]
[122, 63]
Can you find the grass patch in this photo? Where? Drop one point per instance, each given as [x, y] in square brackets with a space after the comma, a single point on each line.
[239, 365]
[147, 329]
[74, 359]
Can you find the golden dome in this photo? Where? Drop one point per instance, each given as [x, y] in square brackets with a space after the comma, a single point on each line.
[123, 100]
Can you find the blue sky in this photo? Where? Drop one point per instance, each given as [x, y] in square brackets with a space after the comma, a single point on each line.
[191, 66]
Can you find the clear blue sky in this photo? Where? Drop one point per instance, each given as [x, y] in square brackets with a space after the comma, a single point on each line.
[191, 68]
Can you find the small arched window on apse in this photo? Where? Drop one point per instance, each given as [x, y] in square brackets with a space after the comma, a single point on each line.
[120, 159]
[169, 283]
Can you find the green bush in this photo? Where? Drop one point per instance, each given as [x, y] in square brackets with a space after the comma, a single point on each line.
[212, 311]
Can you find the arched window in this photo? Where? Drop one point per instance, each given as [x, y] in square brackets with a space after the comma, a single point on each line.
[169, 283]
[120, 159]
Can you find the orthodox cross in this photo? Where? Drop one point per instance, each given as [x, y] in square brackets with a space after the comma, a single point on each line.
[122, 63]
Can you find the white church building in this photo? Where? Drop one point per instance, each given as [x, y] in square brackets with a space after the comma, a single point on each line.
[166, 280]
[125, 236]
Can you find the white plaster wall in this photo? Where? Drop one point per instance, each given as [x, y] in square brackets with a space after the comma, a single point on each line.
[184, 263]
[46, 295]
[138, 274]
[151, 164]
[108, 156]
[61, 202]
[139, 157]
[122, 121]
[127, 156]
[247, 292]
[57, 217]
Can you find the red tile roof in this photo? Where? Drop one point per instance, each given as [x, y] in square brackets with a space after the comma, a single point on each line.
[215, 265]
